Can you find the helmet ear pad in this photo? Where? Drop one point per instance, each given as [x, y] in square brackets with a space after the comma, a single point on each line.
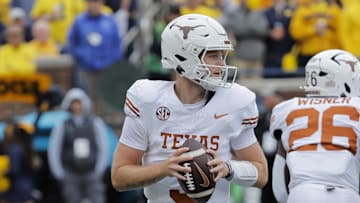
[168, 63]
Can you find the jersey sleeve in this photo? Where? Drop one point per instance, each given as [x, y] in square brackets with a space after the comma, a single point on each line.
[140, 95]
[248, 117]
[133, 103]
[133, 133]
[277, 120]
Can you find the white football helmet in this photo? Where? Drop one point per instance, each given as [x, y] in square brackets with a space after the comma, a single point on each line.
[332, 72]
[184, 43]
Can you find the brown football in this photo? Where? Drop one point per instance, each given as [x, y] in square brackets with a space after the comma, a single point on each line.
[199, 184]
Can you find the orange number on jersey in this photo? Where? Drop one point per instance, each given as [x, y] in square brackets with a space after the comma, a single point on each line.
[313, 116]
[328, 129]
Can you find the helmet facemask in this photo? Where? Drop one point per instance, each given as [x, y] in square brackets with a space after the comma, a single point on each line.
[212, 76]
[209, 76]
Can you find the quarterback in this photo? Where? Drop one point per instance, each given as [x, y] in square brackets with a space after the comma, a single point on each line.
[319, 134]
[203, 104]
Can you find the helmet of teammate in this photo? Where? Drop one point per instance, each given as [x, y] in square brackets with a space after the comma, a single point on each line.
[356, 91]
[332, 72]
[184, 43]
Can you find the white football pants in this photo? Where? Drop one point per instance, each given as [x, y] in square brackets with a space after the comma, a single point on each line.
[317, 193]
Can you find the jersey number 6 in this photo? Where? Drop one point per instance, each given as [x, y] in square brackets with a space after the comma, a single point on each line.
[328, 130]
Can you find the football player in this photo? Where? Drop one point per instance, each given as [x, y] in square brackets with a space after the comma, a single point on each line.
[319, 134]
[203, 103]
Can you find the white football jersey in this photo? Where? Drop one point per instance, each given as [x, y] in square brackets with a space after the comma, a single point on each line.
[163, 123]
[321, 138]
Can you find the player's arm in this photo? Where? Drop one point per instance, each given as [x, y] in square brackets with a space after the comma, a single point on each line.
[280, 172]
[280, 175]
[127, 173]
[251, 165]
[248, 167]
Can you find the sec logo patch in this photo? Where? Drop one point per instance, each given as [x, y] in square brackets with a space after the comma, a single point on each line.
[162, 113]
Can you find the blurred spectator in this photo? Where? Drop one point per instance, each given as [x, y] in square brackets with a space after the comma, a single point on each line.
[349, 27]
[18, 17]
[229, 5]
[115, 4]
[268, 143]
[314, 26]
[125, 13]
[265, 4]
[59, 13]
[279, 40]
[197, 6]
[153, 60]
[42, 43]
[249, 28]
[18, 147]
[215, 5]
[2, 33]
[78, 151]
[4, 18]
[26, 5]
[95, 44]
[16, 56]
[252, 4]
[4, 11]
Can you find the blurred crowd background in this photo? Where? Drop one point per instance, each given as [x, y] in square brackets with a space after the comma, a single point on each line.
[49, 47]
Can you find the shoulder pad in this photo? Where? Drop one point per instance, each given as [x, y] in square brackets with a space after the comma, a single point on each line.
[284, 105]
[146, 90]
[237, 96]
[278, 115]
[142, 92]
[240, 102]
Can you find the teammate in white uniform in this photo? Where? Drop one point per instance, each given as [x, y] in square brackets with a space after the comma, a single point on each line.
[320, 134]
[203, 104]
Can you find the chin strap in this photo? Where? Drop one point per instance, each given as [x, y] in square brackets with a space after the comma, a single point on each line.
[242, 173]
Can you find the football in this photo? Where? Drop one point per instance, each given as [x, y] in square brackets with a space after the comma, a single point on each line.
[199, 184]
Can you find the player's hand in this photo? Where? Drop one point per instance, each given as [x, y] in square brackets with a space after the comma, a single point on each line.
[219, 167]
[173, 167]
